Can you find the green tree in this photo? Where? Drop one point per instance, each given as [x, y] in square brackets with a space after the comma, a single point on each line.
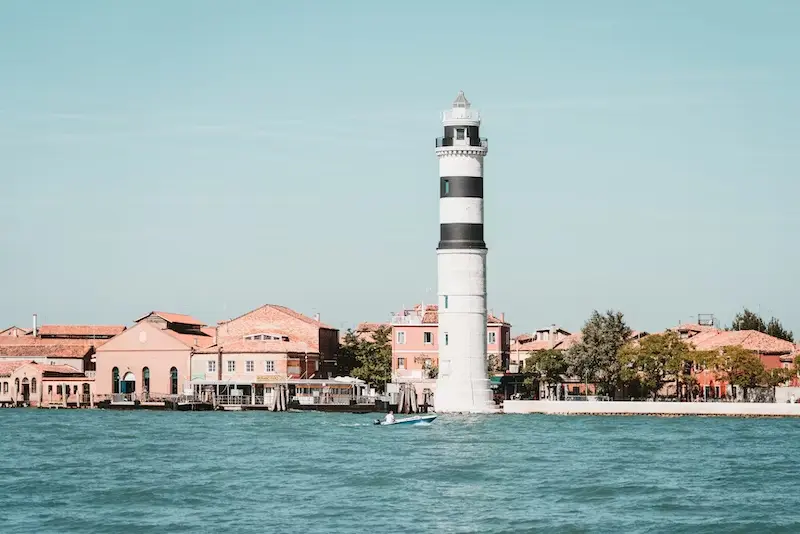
[374, 358]
[347, 359]
[741, 368]
[493, 364]
[596, 358]
[654, 360]
[547, 366]
[748, 320]
[776, 329]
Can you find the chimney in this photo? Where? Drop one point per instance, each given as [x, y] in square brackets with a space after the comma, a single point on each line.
[35, 326]
[502, 317]
[316, 317]
[552, 335]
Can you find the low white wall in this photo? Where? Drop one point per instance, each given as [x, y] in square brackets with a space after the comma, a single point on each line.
[652, 408]
[784, 394]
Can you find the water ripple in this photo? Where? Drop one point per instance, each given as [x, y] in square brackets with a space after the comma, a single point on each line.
[101, 471]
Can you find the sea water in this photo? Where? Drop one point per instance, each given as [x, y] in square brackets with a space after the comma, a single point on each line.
[105, 471]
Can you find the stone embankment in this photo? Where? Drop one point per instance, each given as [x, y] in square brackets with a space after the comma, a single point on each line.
[664, 409]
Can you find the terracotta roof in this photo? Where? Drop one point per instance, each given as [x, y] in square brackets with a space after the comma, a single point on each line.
[191, 340]
[300, 316]
[174, 318]
[10, 328]
[29, 340]
[267, 346]
[209, 330]
[492, 319]
[747, 339]
[56, 369]
[693, 328]
[44, 350]
[85, 330]
[370, 327]
[6, 368]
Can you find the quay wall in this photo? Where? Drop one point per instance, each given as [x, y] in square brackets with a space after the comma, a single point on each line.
[731, 409]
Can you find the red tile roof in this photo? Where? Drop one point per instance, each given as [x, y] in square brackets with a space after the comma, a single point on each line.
[80, 330]
[191, 340]
[174, 318]
[7, 331]
[492, 319]
[29, 340]
[56, 369]
[747, 339]
[6, 368]
[44, 350]
[258, 347]
[300, 316]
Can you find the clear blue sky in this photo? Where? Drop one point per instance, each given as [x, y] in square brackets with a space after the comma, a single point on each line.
[207, 157]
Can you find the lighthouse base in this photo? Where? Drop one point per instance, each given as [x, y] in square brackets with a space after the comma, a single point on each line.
[463, 396]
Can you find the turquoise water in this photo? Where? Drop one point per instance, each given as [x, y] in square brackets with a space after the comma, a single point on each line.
[102, 471]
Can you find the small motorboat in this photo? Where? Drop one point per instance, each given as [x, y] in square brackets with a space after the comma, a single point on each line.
[416, 419]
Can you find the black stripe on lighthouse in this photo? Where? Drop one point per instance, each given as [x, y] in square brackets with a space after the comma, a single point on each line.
[461, 186]
[461, 235]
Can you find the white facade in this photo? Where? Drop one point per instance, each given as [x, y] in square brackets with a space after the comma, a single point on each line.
[463, 384]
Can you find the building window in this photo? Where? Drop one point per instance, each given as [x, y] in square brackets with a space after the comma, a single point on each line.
[249, 366]
[212, 366]
[460, 133]
[5, 387]
[50, 390]
[266, 337]
[58, 390]
[446, 338]
[33, 385]
[445, 301]
[492, 338]
[401, 337]
[508, 337]
[269, 366]
[401, 363]
[447, 188]
[173, 378]
[231, 366]
[114, 381]
[146, 379]
[427, 338]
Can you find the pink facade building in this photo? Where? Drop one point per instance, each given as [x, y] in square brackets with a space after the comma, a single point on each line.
[151, 358]
[416, 339]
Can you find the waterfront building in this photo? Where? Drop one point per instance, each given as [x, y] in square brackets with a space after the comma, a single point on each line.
[266, 347]
[151, 359]
[549, 338]
[773, 352]
[43, 385]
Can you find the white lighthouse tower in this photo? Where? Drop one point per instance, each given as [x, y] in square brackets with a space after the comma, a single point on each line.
[463, 384]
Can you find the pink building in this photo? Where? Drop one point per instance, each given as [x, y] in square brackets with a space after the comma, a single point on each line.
[41, 385]
[416, 338]
[152, 357]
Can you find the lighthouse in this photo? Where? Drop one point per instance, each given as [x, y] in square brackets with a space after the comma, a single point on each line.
[462, 385]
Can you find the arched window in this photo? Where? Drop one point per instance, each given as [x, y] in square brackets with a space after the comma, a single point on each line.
[146, 379]
[115, 380]
[33, 385]
[173, 377]
[16, 385]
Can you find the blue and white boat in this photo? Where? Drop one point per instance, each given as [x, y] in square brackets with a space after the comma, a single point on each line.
[413, 420]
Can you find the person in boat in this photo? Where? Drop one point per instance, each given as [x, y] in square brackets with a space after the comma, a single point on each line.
[389, 417]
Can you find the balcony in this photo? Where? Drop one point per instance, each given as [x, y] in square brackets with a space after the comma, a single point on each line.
[406, 319]
[469, 141]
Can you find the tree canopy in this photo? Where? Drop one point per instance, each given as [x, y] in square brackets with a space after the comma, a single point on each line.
[369, 360]
[546, 366]
[655, 360]
[596, 357]
[749, 320]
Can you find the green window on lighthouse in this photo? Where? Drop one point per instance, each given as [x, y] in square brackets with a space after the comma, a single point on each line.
[445, 302]
[446, 338]
[447, 188]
